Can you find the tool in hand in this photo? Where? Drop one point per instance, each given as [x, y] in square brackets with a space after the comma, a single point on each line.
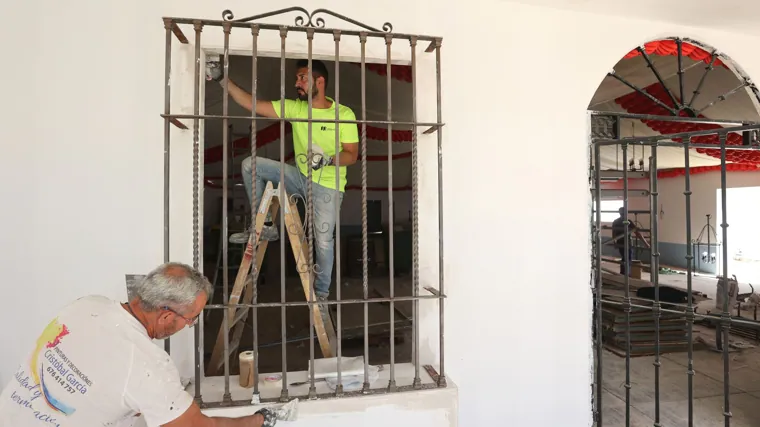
[286, 412]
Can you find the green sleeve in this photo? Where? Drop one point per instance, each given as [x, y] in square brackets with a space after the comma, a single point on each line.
[349, 132]
[290, 108]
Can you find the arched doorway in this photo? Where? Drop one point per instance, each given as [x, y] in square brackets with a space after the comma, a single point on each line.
[674, 131]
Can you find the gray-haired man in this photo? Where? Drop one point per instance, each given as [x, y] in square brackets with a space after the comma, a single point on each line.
[95, 364]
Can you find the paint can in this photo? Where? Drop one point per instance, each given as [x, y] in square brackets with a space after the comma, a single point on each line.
[246, 369]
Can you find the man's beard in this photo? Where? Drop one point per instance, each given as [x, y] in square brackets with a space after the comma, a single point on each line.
[303, 96]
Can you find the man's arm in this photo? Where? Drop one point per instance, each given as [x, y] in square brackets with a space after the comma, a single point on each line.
[349, 137]
[245, 100]
[193, 417]
[347, 155]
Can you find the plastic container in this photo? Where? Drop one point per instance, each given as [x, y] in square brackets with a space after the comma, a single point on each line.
[247, 370]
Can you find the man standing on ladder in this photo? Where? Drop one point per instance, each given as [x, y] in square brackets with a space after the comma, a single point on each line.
[619, 236]
[324, 191]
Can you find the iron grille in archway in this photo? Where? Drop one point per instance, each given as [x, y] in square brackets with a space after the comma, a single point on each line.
[620, 305]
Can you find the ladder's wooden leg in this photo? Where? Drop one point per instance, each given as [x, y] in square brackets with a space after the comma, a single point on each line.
[325, 330]
[242, 314]
[267, 203]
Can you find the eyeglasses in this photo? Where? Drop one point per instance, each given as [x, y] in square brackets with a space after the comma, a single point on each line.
[190, 322]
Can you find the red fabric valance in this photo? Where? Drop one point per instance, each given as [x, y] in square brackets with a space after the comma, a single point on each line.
[670, 48]
[637, 103]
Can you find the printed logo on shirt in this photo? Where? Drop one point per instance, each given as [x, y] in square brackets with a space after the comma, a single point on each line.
[51, 367]
[49, 339]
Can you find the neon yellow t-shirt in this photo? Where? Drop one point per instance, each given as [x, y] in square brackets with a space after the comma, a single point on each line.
[322, 136]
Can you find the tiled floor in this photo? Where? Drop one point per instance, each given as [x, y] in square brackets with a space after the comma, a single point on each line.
[708, 389]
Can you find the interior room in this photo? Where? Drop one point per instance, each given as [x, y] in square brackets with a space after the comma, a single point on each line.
[99, 183]
[350, 250]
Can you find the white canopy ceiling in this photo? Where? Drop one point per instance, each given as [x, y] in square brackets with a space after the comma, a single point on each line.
[719, 81]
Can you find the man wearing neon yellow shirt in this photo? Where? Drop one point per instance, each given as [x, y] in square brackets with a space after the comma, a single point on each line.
[324, 190]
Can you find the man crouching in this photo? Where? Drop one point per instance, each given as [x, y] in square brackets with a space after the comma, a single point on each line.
[95, 364]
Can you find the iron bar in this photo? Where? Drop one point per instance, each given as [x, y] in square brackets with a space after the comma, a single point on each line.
[680, 145]
[643, 92]
[655, 278]
[657, 75]
[177, 123]
[627, 298]
[283, 201]
[708, 235]
[642, 140]
[391, 232]
[365, 278]
[753, 324]
[633, 116]
[196, 194]
[679, 44]
[598, 286]
[225, 225]
[690, 307]
[297, 120]
[254, 185]
[725, 315]
[178, 32]
[317, 30]
[167, 135]
[336, 37]
[334, 302]
[442, 376]
[702, 79]
[415, 225]
[310, 217]
[723, 97]
[402, 324]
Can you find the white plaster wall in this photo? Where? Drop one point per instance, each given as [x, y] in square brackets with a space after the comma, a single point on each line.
[82, 167]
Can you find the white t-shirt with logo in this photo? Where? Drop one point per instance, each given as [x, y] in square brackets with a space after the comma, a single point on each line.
[94, 365]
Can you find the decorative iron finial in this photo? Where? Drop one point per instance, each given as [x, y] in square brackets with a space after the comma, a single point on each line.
[306, 19]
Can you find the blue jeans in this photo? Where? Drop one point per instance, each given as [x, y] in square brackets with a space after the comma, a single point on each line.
[325, 212]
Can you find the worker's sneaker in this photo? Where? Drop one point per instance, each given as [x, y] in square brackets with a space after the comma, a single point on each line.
[268, 233]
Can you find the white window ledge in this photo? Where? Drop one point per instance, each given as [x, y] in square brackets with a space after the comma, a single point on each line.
[428, 407]
[212, 388]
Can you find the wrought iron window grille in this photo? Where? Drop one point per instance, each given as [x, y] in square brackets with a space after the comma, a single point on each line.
[310, 23]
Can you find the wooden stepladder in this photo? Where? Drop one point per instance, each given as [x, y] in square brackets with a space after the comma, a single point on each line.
[270, 202]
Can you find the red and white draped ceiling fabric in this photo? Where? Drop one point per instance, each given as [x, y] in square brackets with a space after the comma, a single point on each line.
[637, 103]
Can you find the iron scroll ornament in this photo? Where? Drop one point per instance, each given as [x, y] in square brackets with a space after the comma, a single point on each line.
[306, 19]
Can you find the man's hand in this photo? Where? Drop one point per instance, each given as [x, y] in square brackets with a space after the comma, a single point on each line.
[318, 161]
[214, 71]
[268, 417]
[193, 417]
